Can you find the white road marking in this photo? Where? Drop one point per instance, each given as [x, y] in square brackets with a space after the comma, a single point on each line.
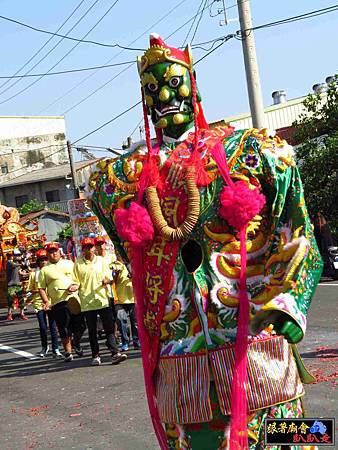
[327, 284]
[7, 348]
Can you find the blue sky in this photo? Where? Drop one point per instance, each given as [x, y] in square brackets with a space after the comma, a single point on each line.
[292, 57]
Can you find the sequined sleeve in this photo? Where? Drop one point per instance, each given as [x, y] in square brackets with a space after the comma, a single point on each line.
[293, 263]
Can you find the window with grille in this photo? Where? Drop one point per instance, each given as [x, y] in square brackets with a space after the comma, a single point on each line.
[53, 196]
[4, 168]
[20, 200]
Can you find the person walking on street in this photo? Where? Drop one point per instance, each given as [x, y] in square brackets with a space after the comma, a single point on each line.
[41, 313]
[13, 273]
[125, 306]
[92, 275]
[56, 290]
[101, 250]
[110, 257]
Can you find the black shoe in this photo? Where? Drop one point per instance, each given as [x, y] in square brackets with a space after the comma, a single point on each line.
[78, 350]
[118, 358]
[68, 357]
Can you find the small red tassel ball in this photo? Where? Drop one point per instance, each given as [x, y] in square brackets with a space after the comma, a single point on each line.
[134, 224]
[240, 204]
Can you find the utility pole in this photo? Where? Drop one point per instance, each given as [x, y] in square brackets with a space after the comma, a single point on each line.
[72, 169]
[251, 65]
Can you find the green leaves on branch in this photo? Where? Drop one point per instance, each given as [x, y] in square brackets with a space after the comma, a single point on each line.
[317, 153]
[66, 232]
[31, 206]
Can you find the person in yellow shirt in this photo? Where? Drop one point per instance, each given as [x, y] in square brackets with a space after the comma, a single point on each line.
[125, 305]
[92, 275]
[41, 313]
[56, 289]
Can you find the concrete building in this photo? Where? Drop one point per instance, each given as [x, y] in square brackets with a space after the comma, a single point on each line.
[29, 143]
[51, 186]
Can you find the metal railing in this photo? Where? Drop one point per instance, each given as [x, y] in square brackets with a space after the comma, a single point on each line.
[61, 206]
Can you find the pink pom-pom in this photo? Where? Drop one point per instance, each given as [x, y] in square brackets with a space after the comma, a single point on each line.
[240, 204]
[134, 224]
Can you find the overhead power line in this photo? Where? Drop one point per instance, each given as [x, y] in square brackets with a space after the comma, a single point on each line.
[110, 80]
[107, 123]
[193, 22]
[80, 41]
[223, 40]
[308, 15]
[164, 16]
[68, 53]
[43, 46]
[113, 119]
[188, 21]
[52, 49]
[198, 23]
[97, 89]
[61, 72]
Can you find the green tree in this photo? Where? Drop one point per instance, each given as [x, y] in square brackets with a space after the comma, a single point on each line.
[317, 153]
[66, 232]
[31, 206]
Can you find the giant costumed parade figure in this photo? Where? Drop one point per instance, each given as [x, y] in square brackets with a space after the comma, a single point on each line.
[223, 259]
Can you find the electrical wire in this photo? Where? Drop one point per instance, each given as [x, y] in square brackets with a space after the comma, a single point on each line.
[82, 41]
[96, 90]
[137, 126]
[107, 123]
[99, 88]
[61, 72]
[54, 47]
[97, 147]
[193, 22]
[113, 119]
[164, 16]
[39, 160]
[198, 23]
[188, 21]
[225, 39]
[308, 15]
[105, 84]
[67, 54]
[222, 40]
[44, 45]
[64, 36]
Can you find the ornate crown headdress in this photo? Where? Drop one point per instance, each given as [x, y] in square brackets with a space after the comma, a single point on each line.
[159, 52]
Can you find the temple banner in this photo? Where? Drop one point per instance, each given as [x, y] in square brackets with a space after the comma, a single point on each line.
[85, 223]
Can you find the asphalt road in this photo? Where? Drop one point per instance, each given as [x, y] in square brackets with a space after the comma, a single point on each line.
[48, 404]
